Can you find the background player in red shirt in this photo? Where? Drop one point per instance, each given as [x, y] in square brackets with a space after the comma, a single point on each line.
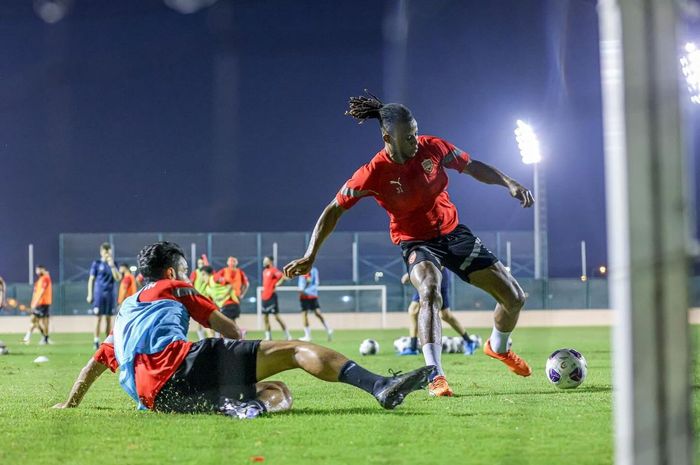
[408, 179]
[235, 277]
[40, 305]
[271, 278]
[194, 377]
[127, 285]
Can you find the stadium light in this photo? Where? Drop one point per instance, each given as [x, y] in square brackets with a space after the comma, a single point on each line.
[690, 66]
[528, 143]
[346, 298]
[529, 146]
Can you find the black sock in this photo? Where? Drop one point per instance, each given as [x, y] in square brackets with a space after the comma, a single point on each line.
[414, 343]
[465, 336]
[354, 375]
[46, 338]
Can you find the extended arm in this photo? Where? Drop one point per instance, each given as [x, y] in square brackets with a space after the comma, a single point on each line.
[324, 227]
[490, 175]
[224, 325]
[88, 375]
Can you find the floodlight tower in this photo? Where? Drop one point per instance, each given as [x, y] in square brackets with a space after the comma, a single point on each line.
[690, 65]
[529, 147]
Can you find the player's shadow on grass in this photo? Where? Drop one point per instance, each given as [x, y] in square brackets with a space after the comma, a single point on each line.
[349, 411]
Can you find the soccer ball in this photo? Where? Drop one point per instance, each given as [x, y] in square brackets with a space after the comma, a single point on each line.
[3, 349]
[457, 345]
[566, 368]
[446, 345]
[402, 343]
[369, 347]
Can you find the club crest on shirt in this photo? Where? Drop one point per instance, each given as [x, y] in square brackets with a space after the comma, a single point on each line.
[428, 165]
[412, 258]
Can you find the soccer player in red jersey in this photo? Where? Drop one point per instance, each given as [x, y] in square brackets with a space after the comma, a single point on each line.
[235, 277]
[163, 371]
[271, 278]
[408, 179]
[127, 285]
[40, 305]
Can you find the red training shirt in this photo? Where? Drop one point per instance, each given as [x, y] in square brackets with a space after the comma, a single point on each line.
[414, 194]
[153, 371]
[271, 276]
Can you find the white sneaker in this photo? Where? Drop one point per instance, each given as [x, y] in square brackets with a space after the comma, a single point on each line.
[42, 342]
[305, 339]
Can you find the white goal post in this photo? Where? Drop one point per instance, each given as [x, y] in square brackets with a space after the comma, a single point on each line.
[348, 288]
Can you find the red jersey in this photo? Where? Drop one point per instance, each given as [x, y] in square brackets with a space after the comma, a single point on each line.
[153, 371]
[42, 291]
[235, 277]
[127, 288]
[271, 276]
[414, 194]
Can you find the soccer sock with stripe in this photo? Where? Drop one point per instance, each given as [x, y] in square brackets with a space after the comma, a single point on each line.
[353, 374]
[307, 332]
[465, 336]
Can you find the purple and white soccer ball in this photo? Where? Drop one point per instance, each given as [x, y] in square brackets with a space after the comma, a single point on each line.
[566, 368]
[369, 347]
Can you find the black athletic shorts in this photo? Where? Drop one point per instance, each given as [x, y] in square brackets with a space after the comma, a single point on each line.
[214, 369]
[232, 311]
[271, 306]
[41, 311]
[459, 251]
[309, 304]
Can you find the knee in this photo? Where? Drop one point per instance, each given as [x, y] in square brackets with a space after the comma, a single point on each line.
[445, 315]
[516, 300]
[430, 292]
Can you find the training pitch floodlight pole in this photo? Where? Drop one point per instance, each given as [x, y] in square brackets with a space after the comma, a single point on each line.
[647, 220]
[529, 147]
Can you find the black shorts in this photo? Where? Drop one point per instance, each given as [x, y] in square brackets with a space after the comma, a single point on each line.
[459, 251]
[271, 306]
[214, 369]
[41, 311]
[103, 303]
[309, 304]
[232, 311]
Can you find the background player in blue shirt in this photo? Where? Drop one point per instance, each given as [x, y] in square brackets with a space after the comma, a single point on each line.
[100, 290]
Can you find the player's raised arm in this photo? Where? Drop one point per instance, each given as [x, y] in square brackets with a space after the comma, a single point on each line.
[490, 175]
[324, 227]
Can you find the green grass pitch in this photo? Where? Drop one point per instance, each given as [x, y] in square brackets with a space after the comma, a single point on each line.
[495, 417]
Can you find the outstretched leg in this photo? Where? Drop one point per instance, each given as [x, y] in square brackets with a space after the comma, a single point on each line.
[497, 281]
[329, 365]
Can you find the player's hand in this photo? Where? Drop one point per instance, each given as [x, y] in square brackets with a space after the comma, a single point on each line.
[405, 279]
[298, 267]
[89, 299]
[522, 194]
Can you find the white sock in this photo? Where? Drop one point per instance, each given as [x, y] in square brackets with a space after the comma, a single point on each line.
[325, 325]
[307, 332]
[97, 340]
[499, 341]
[268, 336]
[432, 352]
[200, 333]
[286, 333]
[28, 336]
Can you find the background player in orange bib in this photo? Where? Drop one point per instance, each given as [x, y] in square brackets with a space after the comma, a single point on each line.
[408, 179]
[40, 305]
[271, 278]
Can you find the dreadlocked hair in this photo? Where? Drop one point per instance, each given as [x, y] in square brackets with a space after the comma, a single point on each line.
[363, 108]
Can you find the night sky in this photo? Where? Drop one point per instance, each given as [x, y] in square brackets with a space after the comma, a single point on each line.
[129, 116]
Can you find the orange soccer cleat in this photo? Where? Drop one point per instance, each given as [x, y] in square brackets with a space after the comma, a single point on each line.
[439, 387]
[514, 363]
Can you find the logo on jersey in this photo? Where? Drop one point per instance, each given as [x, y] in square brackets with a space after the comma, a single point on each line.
[428, 165]
[412, 258]
[397, 184]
